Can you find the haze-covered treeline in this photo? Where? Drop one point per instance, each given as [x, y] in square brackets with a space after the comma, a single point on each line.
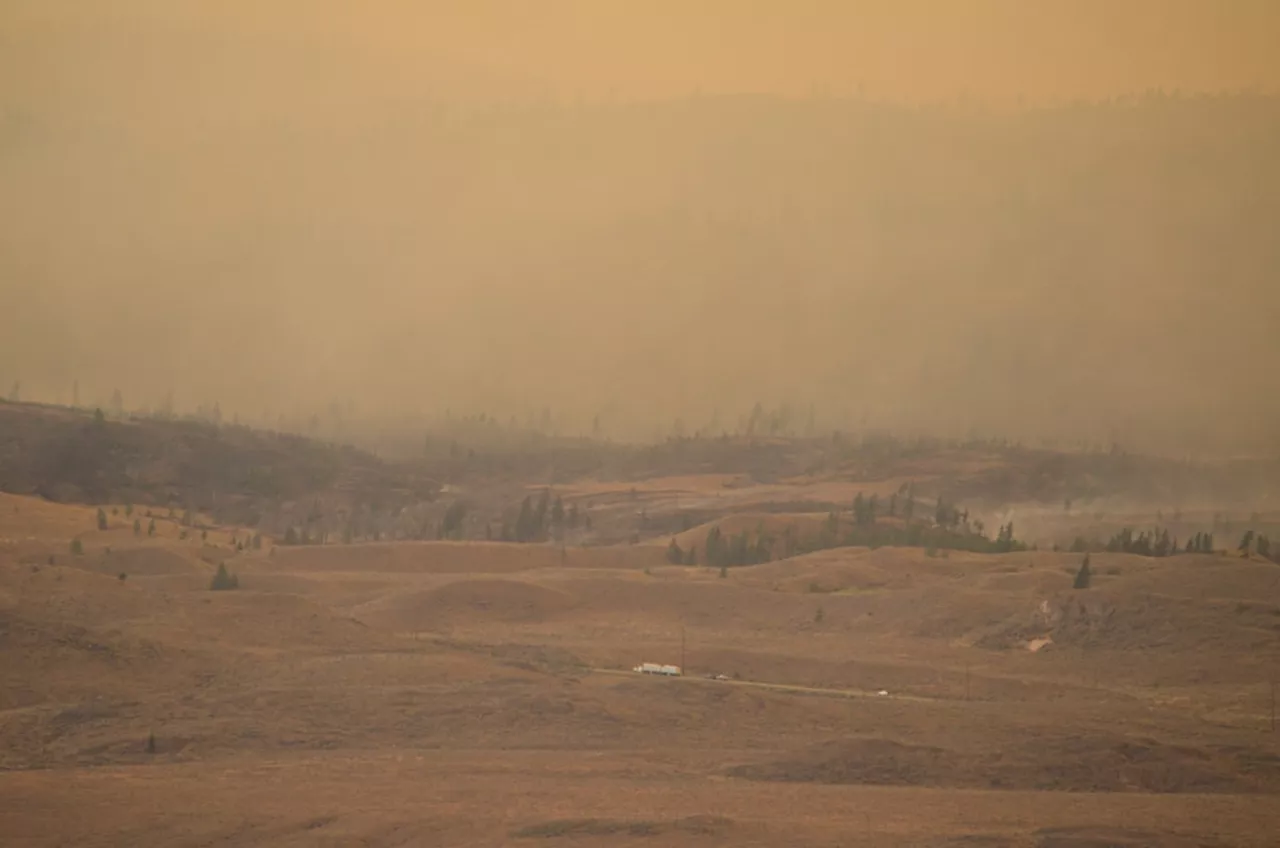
[1101, 271]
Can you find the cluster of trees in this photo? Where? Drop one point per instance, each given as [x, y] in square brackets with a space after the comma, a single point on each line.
[1200, 543]
[1158, 543]
[292, 536]
[451, 525]
[678, 556]
[901, 504]
[1255, 543]
[249, 542]
[955, 533]
[724, 551]
[1152, 543]
[1155, 543]
[952, 528]
[547, 519]
[914, 535]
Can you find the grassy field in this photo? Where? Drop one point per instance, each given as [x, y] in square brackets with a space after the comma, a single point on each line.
[473, 693]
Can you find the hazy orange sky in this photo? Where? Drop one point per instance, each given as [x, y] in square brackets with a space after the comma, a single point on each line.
[283, 205]
[917, 49]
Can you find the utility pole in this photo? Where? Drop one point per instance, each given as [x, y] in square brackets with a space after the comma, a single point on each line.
[1273, 705]
[966, 681]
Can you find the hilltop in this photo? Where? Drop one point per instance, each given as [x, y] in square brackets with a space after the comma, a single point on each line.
[236, 474]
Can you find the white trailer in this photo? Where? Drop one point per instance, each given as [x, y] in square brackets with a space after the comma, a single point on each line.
[657, 668]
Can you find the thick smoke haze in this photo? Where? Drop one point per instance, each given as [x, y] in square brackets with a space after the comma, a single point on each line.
[931, 217]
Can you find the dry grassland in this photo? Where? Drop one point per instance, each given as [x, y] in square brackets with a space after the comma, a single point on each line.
[479, 694]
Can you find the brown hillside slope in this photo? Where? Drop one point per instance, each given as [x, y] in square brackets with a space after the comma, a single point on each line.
[72, 456]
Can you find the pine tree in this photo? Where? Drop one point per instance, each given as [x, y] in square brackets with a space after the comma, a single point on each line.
[713, 545]
[224, 580]
[675, 555]
[1084, 576]
[540, 516]
[524, 523]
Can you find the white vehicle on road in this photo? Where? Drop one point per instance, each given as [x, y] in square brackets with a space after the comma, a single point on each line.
[655, 668]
